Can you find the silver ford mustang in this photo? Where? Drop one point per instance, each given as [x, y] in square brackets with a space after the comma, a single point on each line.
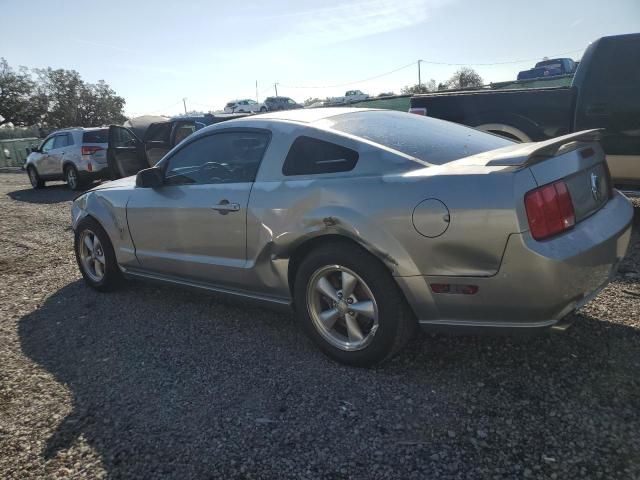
[368, 223]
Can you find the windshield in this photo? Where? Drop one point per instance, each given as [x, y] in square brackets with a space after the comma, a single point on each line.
[425, 138]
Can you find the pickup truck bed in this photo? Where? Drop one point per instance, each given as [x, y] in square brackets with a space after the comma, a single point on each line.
[539, 114]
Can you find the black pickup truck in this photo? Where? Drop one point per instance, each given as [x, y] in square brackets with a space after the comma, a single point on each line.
[604, 93]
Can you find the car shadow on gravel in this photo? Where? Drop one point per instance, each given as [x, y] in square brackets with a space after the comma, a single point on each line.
[47, 195]
[168, 383]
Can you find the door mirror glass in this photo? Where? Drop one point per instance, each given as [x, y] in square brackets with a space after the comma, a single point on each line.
[150, 178]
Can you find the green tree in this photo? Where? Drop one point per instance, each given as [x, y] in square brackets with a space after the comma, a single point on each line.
[55, 99]
[430, 86]
[21, 102]
[465, 78]
[72, 102]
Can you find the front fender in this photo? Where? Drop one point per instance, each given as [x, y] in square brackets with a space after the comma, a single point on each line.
[108, 208]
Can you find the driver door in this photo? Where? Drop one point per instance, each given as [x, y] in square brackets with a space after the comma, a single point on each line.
[194, 226]
[125, 153]
[42, 155]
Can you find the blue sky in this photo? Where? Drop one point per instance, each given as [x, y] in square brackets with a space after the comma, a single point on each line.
[156, 53]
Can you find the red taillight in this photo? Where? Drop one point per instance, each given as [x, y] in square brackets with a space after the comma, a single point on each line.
[418, 111]
[90, 150]
[549, 210]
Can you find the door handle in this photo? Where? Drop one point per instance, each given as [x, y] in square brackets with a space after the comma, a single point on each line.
[225, 207]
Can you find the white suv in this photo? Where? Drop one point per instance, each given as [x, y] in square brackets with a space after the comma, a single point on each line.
[75, 155]
[244, 106]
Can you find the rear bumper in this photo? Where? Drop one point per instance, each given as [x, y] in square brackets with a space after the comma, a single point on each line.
[92, 170]
[538, 283]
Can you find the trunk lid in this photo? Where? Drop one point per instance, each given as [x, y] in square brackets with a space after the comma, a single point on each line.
[576, 159]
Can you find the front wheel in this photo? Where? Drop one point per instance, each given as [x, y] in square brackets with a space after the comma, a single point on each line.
[95, 256]
[263, 109]
[350, 306]
[34, 178]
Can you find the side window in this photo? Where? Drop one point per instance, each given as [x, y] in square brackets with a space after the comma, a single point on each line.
[123, 138]
[312, 156]
[232, 157]
[60, 141]
[47, 145]
[290, 102]
[158, 132]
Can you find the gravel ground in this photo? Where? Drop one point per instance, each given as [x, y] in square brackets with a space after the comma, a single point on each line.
[154, 382]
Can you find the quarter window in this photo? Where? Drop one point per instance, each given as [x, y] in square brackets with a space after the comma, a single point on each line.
[312, 156]
[232, 157]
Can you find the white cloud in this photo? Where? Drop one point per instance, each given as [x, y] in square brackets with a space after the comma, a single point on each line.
[327, 25]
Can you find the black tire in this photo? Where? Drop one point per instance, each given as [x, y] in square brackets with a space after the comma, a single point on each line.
[78, 183]
[263, 109]
[34, 178]
[396, 321]
[112, 277]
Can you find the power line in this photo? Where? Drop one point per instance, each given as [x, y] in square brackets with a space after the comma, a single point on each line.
[430, 62]
[352, 83]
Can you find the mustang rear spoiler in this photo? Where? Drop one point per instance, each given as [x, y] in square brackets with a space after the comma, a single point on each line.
[527, 154]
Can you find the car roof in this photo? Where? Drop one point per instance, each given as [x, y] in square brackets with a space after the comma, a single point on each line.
[307, 115]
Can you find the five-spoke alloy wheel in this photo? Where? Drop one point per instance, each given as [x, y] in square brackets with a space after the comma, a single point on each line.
[350, 305]
[342, 307]
[95, 256]
[92, 255]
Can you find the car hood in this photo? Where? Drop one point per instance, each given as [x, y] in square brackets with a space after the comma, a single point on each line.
[126, 182]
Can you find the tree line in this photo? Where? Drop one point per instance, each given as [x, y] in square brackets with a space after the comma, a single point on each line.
[51, 99]
[465, 77]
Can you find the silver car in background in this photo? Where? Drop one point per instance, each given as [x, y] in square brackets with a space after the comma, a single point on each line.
[368, 222]
[76, 155]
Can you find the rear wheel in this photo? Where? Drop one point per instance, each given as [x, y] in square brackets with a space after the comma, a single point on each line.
[95, 256]
[350, 306]
[72, 178]
[34, 178]
[263, 109]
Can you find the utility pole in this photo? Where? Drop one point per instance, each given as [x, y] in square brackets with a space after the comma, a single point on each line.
[184, 102]
[419, 79]
[275, 85]
[257, 100]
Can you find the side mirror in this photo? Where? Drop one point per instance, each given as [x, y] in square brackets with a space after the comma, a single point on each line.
[150, 178]
[35, 149]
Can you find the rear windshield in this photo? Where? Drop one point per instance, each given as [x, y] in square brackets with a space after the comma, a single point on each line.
[428, 139]
[96, 136]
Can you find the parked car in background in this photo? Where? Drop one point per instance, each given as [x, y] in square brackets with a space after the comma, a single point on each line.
[549, 68]
[317, 104]
[274, 104]
[369, 221]
[605, 93]
[244, 106]
[350, 96]
[76, 155]
[141, 142]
